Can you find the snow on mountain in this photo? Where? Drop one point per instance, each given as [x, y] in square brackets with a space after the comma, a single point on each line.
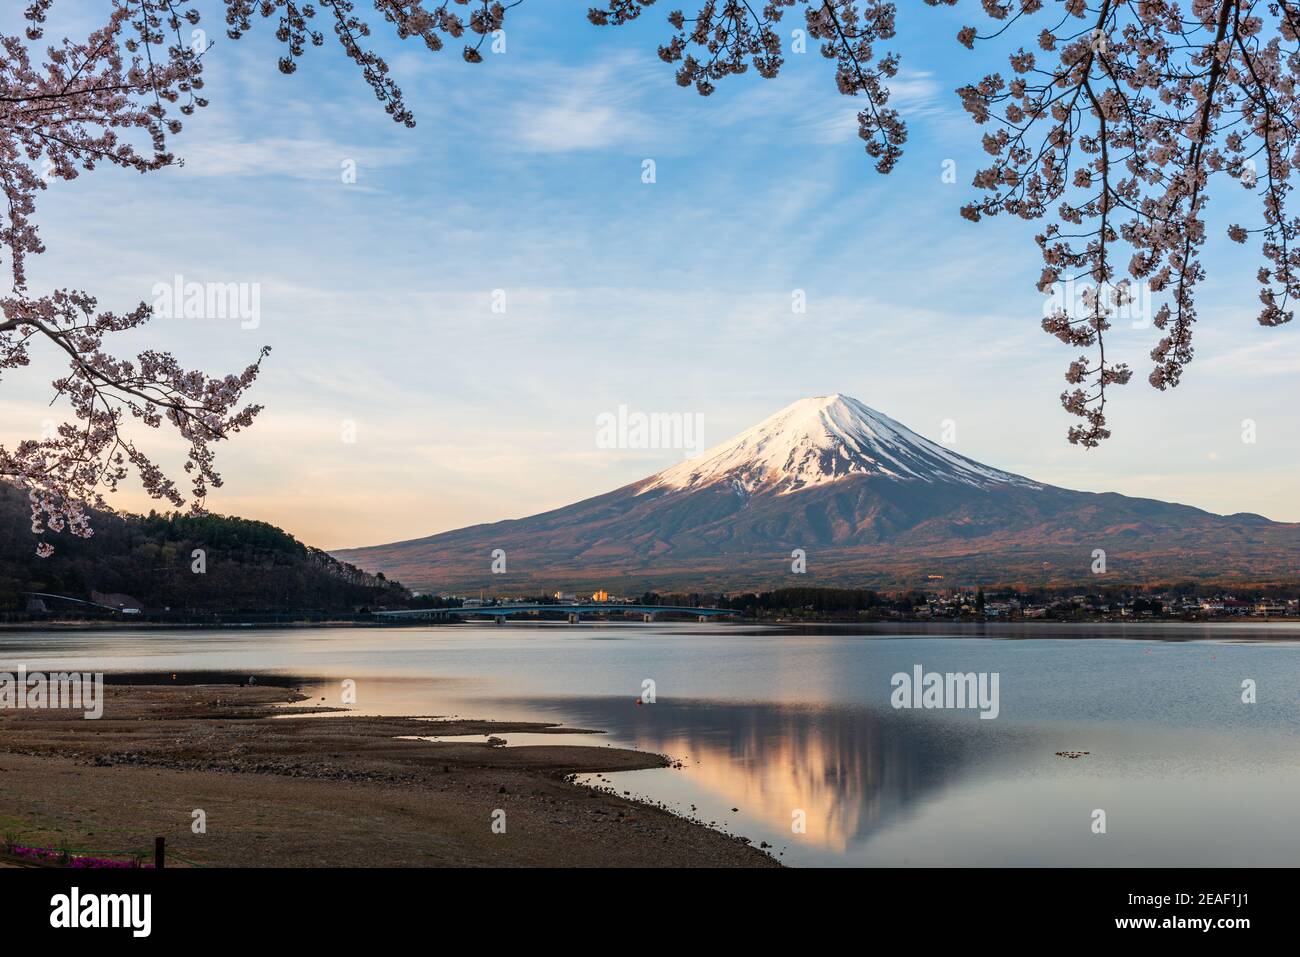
[824, 439]
[879, 506]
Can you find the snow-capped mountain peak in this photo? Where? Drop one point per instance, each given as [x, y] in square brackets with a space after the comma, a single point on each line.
[825, 439]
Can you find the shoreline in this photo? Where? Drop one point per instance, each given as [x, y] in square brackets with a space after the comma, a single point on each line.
[1020, 623]
[123, 625]
[347, 792]
[921, 625]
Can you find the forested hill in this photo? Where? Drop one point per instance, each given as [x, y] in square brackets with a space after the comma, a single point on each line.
[249, 566]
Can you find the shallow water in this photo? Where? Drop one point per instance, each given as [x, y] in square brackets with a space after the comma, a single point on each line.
[797, 727]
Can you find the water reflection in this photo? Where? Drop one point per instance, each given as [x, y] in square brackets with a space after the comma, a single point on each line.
[879, 787]
[771, 721]
[851, 771]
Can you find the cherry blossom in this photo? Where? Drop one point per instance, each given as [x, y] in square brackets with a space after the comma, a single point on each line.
[1108, 125]
[115, 98]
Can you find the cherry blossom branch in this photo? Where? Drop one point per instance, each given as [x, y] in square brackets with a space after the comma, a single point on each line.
[82, 106]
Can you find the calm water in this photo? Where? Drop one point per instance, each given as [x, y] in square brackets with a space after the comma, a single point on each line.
[788, 726]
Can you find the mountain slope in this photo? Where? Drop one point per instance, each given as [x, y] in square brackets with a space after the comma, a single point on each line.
[869, 501]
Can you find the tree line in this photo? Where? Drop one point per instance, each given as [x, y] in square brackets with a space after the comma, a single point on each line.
[182, 563]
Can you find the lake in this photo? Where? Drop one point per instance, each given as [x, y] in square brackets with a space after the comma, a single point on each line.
[795, 728]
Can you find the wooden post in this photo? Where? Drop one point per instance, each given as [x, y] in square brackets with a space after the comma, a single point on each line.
[159, 853]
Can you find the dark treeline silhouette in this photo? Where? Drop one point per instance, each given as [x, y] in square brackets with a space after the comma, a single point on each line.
[821, 600]
[817, 600]
[1065, 603]
[435, 601]
[247, 566]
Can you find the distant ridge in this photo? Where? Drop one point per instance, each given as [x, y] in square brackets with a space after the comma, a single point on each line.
[869, 501]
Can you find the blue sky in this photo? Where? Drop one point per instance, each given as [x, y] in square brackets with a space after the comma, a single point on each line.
[524, 174]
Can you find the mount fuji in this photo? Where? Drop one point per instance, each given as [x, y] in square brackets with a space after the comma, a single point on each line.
[821, 440]
[870, 502]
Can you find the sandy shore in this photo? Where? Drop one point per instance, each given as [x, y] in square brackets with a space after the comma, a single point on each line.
[325, 792]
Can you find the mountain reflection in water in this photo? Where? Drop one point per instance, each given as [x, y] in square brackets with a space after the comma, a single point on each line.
[774, 721]
[851, 770]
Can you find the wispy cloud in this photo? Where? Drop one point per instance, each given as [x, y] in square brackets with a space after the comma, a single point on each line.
[584, 108]
[524, 175]
[313, 158]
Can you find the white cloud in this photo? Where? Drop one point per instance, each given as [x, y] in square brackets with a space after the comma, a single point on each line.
[576, 124]
[589, 108]
[300, 157]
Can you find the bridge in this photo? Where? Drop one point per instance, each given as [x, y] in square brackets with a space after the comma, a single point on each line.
[78, 601]
[574, 612]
